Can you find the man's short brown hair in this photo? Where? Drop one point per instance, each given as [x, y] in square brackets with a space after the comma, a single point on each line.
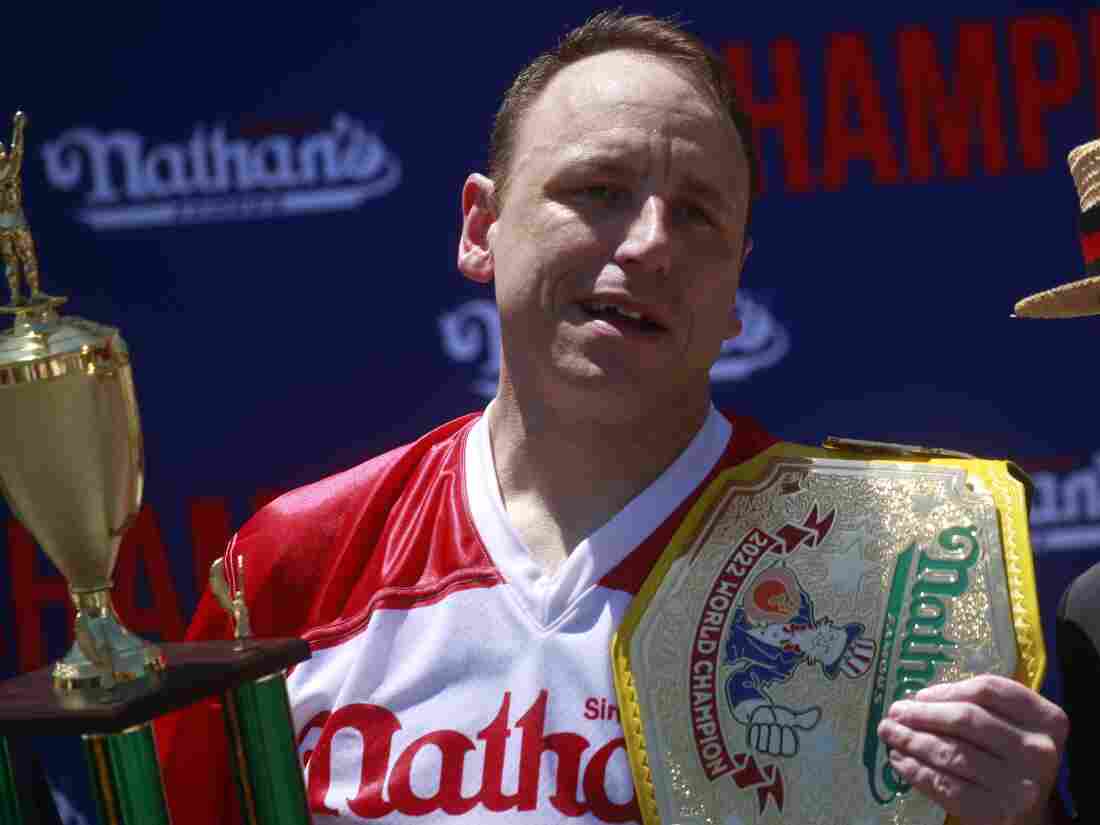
[607, 31]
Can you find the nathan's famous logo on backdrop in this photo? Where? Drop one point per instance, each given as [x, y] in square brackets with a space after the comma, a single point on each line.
[471, 335]
[1066, 511]
[214, 176]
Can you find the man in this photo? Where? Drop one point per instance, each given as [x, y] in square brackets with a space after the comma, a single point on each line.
[460, 593]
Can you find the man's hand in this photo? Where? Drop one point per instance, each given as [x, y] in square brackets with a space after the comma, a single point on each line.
[985, 749]
[773, 729]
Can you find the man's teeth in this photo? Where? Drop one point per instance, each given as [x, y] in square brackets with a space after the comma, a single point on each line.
[636, 316]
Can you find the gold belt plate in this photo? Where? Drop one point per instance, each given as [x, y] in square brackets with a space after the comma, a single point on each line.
[805, 591]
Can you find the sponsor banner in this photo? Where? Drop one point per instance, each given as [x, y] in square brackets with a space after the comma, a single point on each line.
[213, 176]
[1066, 513]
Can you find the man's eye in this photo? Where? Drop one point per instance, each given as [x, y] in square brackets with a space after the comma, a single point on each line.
[602, 193]
[693, 213]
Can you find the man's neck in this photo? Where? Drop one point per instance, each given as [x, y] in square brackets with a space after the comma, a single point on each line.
[563, 474]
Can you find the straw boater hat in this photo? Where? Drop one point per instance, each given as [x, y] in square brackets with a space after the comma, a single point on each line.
[1079, 298]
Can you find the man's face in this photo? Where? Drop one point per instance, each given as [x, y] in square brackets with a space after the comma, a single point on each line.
[617, 248]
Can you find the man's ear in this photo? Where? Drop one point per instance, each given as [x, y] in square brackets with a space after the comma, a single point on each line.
[735, 325]
[475, 256]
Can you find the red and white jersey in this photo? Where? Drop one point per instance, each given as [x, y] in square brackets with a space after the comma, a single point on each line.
[452, 679]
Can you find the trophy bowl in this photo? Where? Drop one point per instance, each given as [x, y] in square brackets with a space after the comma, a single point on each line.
[71, 469]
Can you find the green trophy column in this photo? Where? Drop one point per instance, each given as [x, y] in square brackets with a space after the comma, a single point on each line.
[265, 754]
[10, 811]
[126, 777]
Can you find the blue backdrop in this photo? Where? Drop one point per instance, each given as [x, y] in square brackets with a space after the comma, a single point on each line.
[265, 201]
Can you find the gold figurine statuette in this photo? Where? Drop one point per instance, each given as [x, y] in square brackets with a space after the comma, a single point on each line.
[16, 243]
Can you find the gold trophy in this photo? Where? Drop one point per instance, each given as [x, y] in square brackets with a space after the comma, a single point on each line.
[71, 469]
[71, 463]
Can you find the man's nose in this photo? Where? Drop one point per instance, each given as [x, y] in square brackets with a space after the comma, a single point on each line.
[647, 243]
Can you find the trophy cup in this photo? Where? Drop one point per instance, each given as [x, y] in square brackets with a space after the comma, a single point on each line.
[71, 469]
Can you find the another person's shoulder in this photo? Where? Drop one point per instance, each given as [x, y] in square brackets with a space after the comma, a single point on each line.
[1081, 600]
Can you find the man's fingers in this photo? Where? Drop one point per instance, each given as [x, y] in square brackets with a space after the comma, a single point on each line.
[1006, 698]
[959, 720]
[985, 749]
[968, 801]
[960, 759]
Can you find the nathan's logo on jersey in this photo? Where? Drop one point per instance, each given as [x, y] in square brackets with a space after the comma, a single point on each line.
[1066, 514]
[913, 648]
[215, 176]
[372, 779]
[470, 334]
[773, 631]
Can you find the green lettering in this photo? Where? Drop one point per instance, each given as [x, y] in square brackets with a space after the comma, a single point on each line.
[907, 687]
[917, 638]
[927, 609]
[891, 781]
[921, 665]
[923, 644]
[953, 539]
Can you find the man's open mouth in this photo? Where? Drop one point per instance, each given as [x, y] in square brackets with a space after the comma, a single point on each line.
[620, 316]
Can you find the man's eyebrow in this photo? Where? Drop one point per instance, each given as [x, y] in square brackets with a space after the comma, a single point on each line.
[708, 192]
[614, 164]
[597, 163]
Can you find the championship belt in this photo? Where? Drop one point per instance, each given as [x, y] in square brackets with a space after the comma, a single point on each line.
[805, 591]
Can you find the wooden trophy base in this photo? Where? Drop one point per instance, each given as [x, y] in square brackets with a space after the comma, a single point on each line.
[31, 706]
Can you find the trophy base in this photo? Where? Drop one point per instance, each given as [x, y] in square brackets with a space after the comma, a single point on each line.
[137, 669]
[195, 670]
[105, 656]
[36, 304]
